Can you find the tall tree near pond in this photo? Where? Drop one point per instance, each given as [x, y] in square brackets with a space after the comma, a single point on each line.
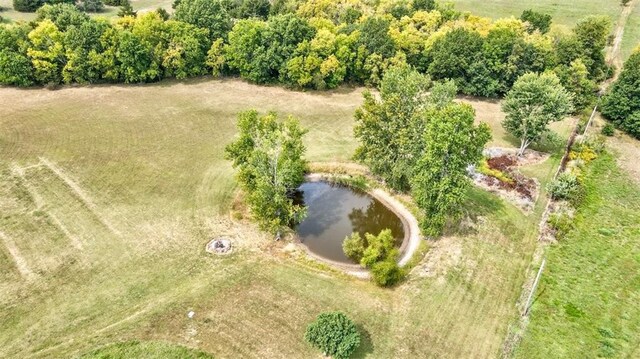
[534, 102]
[269, 156]
[390, 129]
[452, 143]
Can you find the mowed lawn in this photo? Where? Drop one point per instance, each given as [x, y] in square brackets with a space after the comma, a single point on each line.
[108, 195]
[564, 12]
[589, 293]
[631, 37]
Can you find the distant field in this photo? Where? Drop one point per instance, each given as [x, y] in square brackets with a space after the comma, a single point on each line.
[10, 15]
[564, 12]
[631, 38]
[589, 293]
[108, 195]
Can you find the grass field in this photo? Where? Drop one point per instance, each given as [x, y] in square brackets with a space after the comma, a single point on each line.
[10, 15]
[108, 195]
[564, 12]
[631, 38]
[589, 294]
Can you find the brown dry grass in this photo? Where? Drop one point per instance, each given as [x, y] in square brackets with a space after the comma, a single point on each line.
[141, 184]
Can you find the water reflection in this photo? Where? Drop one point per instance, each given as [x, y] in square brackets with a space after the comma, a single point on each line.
[334, 212]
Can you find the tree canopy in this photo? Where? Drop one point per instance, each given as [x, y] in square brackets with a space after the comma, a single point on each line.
[452, 143]
[334, 334]
[269, 157]
[622, 103]
[534, 102]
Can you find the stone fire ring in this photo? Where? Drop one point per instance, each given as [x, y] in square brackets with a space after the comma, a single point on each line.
[220, 245]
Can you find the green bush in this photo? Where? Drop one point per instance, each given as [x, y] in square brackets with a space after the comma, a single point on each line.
[334, 334]
[608, 129]
[354, 246]
[632, 124]
[562, 223]
[563, 187]
[386, 273]
[380, 248]
[27, 5]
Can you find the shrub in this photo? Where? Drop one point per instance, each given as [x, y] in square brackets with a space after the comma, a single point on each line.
[386, 273]
[354, 246]
[380, 248]
[564, 186]
[334, 334]
[632, 124]
[484, 168]
[608, 130]
[536, 20]
[562, 223]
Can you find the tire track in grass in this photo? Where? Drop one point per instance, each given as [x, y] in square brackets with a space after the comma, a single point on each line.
[20, 262]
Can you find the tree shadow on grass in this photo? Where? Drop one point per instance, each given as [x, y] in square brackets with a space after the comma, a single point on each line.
[478, 203]
[366, 345]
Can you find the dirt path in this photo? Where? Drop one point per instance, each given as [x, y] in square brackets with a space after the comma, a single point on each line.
[614, 55]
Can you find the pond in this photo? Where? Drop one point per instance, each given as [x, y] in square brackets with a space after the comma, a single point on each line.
[335, 211]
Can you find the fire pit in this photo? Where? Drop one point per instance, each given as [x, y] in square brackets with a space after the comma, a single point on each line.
[219, 245]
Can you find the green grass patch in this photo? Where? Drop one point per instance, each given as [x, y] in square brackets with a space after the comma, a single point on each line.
[148, 350]
[587, 304]
[566, 13]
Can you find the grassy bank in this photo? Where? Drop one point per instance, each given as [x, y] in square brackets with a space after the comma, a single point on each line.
[587, 303]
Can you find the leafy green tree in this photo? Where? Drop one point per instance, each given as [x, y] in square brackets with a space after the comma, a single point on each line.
[91, 5]
[426, 5]
[452, 143]
[46, 52]
[27, 5]
[207, 14]
[83, 47]
[315, 64]
[259, 50]
[245, 9]
[269, 157]
[379, 248]
[62, 15]
[126, 9]
[135, 57]
[575, 78]
[334, 334]
[374, 36]
[534, 102]
[536, 21]
[453, 55]
[386, 273]
[353, 246]
[592, 34]
[215, 57]
[186, 51]
[623, 98]
[15, 66]
[390, 130]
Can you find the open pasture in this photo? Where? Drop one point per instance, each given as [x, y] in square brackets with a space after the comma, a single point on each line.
[108, 195]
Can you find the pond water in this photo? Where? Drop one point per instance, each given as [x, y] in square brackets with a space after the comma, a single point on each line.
[335, 211]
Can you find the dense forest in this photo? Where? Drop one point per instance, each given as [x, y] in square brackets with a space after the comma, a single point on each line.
[316, 44]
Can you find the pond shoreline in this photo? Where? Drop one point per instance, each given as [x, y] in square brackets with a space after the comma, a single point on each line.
[410, 242]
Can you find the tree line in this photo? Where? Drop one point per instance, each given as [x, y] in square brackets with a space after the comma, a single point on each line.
[316, 44]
